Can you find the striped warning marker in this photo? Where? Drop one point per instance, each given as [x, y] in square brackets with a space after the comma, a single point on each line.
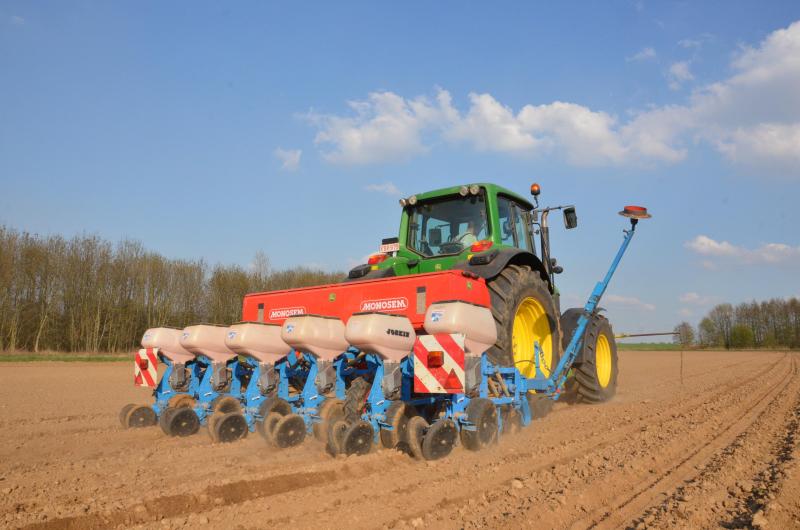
[439, 364]
[145, 367]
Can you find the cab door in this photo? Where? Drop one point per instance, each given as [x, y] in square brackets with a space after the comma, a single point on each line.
[514, 220]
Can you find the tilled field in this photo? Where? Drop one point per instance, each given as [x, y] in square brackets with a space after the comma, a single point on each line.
[715, 447]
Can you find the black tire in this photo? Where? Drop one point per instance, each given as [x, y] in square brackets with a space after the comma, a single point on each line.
[330, 411]
[123, 414]
[164, 419]
[211, 424]
[357, 439]
[483, 414]
[140, 416]
[507, 291]
[289, 431]
[356, 399]
[594, 381]
[440, 439]
[397, 417]
[226, 404]
[336, 434]
[229, 427]
[267, 427]
[415, 435]
[183, 422]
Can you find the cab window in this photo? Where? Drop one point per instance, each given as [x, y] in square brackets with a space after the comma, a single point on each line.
[447, 226]
[514, 222]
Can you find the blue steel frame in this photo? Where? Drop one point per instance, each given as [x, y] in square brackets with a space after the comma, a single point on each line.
[517, 385]
[164, 391]
[205, 392]
[305, 368]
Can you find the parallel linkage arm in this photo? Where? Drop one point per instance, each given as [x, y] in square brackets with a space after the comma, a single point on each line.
[559, 375]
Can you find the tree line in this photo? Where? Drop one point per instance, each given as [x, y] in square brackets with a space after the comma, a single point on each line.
[88, 294]
[771, 324]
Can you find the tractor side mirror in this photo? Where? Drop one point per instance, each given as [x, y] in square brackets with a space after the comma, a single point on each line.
[435, 237]
[570, 217]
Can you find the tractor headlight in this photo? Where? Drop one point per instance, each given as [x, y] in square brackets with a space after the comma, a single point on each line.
[403, 202]
[463, 191]
[412, 200]
[474, 189]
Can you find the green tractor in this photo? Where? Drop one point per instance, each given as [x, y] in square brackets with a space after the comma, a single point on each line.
[488, 231]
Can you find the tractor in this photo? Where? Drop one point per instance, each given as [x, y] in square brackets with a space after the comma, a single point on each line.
[489, 231]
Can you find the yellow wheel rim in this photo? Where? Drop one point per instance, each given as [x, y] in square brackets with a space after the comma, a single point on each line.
[532, 325]
[603, 360]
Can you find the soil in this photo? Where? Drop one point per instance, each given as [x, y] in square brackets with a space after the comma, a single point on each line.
[714, 448]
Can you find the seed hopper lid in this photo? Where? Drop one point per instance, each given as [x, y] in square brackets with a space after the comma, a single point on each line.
[635, 212]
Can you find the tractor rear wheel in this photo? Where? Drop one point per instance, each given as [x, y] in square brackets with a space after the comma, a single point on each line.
[524, 312]
[596, 367]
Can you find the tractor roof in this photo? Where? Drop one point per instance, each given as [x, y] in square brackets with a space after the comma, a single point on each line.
[453, 190]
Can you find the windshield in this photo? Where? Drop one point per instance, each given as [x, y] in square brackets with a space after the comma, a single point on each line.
[447, 226]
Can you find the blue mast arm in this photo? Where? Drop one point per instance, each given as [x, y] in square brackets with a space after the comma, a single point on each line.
[559, 375]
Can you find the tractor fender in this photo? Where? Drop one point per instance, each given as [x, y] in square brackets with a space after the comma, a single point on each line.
[502, 259]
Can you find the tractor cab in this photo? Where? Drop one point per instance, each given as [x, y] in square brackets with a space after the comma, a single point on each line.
[480, 228]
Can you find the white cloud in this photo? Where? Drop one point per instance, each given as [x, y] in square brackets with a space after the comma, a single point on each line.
[693, 298]
[770, 253]
[289, 158]
[491, 126]
[385, 127]
[697, 42]
[387, 187]
[644, 54]
[752, 118]
[708, 265]
[678, 74]
[629, 301]
[764, 142]
[17, 20]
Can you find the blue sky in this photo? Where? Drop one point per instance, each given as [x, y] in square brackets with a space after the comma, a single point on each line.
[214, 131]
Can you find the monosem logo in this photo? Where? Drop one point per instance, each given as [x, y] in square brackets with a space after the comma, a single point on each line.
[286, 312]
[386, 304]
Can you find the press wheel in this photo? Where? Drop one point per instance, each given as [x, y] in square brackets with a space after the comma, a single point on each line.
[164, 419]
[289, 431]
[123, 414]
[482, 413]
[183, 422]
[440, 439]
[211, 423]
[336, 437]
[230, 427]
[415, 433]
[397, 419]
[357, 440]
[140, 416]
[268, 426]
[330, 411]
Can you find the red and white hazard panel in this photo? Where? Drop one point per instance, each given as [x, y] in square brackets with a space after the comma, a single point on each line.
[145, 367]
[439, 364]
